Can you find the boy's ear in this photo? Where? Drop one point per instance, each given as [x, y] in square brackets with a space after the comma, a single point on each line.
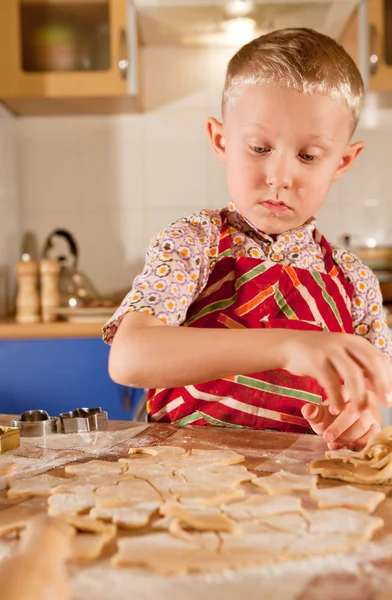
[347, 160]
[217, 140]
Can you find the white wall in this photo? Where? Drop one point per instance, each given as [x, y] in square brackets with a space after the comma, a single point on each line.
[9, 211]
[116, 181]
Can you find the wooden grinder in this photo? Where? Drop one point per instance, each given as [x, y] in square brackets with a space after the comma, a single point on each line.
[50, 294]
[27, 298]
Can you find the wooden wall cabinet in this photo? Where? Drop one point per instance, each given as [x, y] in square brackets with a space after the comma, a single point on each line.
[380, 44]
[379, 27]
[68, 56]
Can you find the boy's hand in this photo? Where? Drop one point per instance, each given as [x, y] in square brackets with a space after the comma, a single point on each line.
[333, 358]
[350, 428]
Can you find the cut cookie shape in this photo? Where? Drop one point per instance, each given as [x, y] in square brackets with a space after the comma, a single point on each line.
[127, 491]
[342, 521]
[95, 467]
[229, 476]
[85, 485]
[206, 519]
[89, 525]
[91, 537]
[144, 470]
[284, 482]
[127, 517]
[257, 506]
[64, 504]
[159, 452]
[87, 546]
[192, 495]
[286, 522]
[40, 485]
[312, 545]
[349, 497]
[201, 459]
[165, 554]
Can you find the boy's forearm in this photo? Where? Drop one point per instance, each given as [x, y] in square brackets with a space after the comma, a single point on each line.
[177, 356]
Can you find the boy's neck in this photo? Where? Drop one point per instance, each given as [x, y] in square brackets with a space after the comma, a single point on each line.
[310, 224]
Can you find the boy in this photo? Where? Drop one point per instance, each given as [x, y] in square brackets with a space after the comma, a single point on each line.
[255, 289]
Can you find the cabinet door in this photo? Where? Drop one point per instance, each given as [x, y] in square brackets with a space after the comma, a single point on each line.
[61, 375]
[380, 44]
[63, 48]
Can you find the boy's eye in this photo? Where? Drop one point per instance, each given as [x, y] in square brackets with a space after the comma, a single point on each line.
[259, 149]
[307, 157]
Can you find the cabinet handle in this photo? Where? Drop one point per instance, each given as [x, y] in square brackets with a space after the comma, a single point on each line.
[373, 56]
[123, 63]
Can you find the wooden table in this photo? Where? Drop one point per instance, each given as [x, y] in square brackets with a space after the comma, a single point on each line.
[266, 452]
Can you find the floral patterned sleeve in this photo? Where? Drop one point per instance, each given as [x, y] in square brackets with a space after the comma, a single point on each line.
[176, 270]
[369, 319]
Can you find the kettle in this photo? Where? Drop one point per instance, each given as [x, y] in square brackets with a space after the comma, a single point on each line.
[75, 287]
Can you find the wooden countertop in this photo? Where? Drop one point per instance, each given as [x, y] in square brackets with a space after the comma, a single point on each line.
[9, 330]
[271, 451]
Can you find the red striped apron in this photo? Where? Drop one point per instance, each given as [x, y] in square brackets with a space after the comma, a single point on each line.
[253, 293]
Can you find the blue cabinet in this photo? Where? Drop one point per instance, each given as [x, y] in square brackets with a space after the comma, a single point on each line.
[58, 375]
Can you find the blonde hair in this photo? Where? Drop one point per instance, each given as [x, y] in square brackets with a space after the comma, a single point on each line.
[300, 59]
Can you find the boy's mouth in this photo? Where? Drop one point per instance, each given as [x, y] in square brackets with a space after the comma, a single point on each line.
[275, 207]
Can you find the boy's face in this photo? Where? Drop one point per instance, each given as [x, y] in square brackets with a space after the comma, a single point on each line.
[282, 150]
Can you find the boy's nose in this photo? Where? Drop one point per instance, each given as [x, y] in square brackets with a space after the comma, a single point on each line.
[279, 174]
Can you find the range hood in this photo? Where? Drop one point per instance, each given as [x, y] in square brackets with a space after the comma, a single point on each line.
[202, 22]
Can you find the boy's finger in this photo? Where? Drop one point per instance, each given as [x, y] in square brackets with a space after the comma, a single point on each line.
[352, 375]
[318, 417]
[339, 430]
[331, 382]
[378, 372]
[362, 441]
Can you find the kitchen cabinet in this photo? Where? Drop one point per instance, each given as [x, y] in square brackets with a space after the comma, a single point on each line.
[379, 28]
[380, 44]
[58, 375]
[68, 56]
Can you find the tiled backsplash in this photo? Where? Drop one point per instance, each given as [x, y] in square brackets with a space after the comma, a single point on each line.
[116, 181]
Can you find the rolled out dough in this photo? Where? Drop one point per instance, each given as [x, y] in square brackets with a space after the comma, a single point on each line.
[206, 519]
[372, 465]
[128, 491]
[127, 517]
[64, 504]
[87, 546]
[94, 467]
[342, 521]
[40, 485]
[349, 497]
[256, 506]
[284, 482]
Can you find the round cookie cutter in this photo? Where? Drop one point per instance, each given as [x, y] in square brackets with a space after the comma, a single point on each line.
[82, 420]
[35, 423]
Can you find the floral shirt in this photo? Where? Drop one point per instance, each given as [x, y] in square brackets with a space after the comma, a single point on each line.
[180, 259]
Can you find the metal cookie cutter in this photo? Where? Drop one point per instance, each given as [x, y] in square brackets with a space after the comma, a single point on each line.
[82, 420]
[36, 423]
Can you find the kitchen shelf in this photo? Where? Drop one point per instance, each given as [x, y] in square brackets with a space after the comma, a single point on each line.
[63, 2]
[9, 330]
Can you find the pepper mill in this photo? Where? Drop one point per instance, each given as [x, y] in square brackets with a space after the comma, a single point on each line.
[27, 297]
[50, 294]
